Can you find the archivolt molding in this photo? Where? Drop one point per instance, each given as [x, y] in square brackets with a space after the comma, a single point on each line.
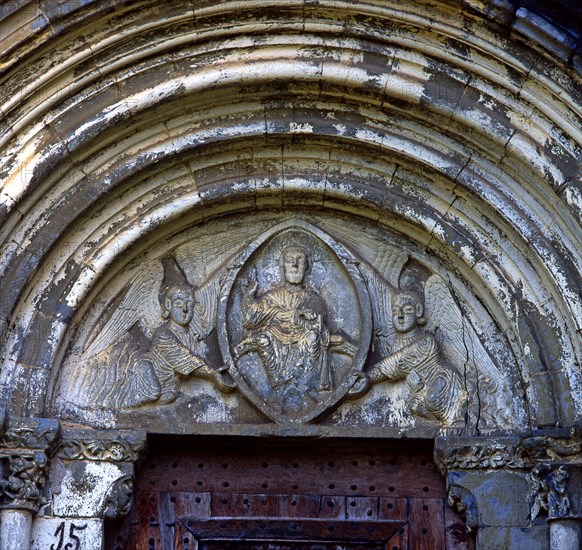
[125, 125]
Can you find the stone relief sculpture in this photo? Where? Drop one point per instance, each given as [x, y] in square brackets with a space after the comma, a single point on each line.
[23, 486]
[549, 491]
[178, 350]
[287, 327]
[436, 389]
[288, 314]
[419, 345]
[309, 323]
[146, 348]
[558, 498]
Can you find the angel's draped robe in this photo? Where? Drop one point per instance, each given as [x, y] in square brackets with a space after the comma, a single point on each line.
[125, 377]
[175, 351]
[436, 389]
[292, 347]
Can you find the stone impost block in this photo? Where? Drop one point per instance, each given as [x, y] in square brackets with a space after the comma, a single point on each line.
[85, 489]
[514, 538]
[501, 496]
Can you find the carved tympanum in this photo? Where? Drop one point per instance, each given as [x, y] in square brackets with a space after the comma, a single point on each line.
[311, 323]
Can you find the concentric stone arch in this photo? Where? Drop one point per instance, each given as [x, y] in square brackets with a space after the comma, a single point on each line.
[452, 125]
[400, 131]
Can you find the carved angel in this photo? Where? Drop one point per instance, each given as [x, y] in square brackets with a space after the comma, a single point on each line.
[431, 348]
[136, 359]
[436, 388]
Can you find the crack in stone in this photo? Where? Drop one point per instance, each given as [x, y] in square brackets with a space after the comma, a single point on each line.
[459, 100]
[467, 364]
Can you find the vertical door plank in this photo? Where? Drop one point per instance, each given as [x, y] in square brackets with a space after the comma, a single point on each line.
[427, 523]
[182, 538]
[456, 535]
[148, 528]
[167, 519]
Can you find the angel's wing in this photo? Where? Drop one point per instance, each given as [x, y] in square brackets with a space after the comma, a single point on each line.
[205, 266]
[380, 292]
[463, 348]
[139, 304]
[456, 336]
[381, 280]
[387, 260]
[212, 252]
[206, 297]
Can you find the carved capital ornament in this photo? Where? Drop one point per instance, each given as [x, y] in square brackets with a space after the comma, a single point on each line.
[24, 450]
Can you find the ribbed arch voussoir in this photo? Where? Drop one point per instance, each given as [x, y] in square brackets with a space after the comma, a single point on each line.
[124, 123]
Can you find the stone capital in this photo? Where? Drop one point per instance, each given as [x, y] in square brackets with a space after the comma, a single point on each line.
[545, 465]
[32, 434]
[25, 447]
[92, 473]
[478, 453]
[520, 451]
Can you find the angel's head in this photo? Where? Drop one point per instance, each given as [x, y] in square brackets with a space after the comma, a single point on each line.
[407, 311]
[179, 304]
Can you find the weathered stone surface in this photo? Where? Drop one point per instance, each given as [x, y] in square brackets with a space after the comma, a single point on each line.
[150, 359]
[118, 446]
[84, 532]
[443, 138]
[80, 489]
[565, 534]
[499, 496]
[15, 526]
[514, 538]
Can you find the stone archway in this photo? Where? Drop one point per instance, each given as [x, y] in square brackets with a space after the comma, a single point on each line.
[432, 148]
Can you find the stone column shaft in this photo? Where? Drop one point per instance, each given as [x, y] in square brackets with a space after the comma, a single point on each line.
[15, 529]
[565, 534]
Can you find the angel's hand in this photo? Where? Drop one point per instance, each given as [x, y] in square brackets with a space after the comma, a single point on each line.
[241, 349]
[307, 314]
[250, 284]
[360, 386]
[249, 287]
[222, 380]
[414, 381]
[337, 340]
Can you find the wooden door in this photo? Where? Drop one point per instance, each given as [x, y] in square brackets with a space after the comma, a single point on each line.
[289, 496]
